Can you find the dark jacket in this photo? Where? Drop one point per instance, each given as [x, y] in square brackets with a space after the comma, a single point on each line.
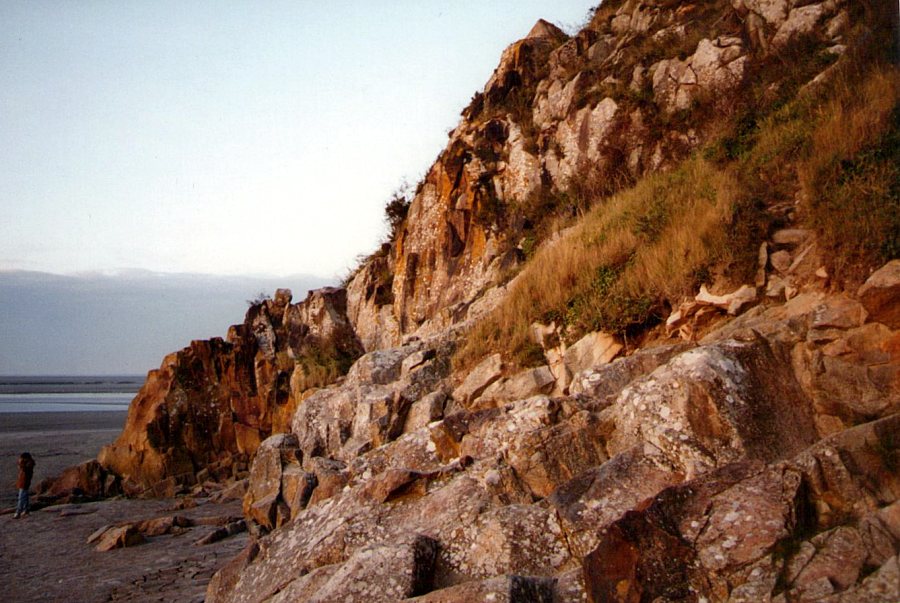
[26, 471]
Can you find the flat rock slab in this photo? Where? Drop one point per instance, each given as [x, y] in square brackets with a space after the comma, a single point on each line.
[45, 556]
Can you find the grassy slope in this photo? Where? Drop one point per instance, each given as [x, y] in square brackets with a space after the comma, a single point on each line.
[634, 255]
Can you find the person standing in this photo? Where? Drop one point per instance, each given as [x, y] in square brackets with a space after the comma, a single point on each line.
[23, 482]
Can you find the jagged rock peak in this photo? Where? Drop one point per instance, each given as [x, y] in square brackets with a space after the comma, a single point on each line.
[545, 29]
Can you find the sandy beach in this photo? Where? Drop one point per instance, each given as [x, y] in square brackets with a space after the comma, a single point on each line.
[45, 556]
[56, 440]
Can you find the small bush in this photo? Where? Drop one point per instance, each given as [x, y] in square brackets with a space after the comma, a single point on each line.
[321, 362]
[397, 208]
[260, 298]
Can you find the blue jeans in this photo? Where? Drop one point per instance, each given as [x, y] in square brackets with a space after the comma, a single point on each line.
[22, 503]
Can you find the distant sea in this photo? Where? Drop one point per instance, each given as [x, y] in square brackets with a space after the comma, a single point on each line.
[68, 394]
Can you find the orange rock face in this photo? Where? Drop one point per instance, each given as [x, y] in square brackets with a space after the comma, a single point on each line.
[212, 403]
[452, 242]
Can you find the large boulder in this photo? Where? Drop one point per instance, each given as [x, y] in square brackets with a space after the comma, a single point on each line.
[372, 405]
[85, 481]
[716, 404]
[479, 379]
[527, 383]
[503, 589]
[716, 67]
[809, 527]
[692, 537]
[880, 294]
[265, 500]
[392, 572]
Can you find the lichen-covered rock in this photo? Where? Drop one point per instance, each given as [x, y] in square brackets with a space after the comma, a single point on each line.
[591, 351]
[881, 585]
[487, 434]
[533, 486]
[370, 305]
[264, 494]
[548, 457]
[853, 473]
[478, 379]
[837, 556]
[600, 495]
[504, 589]
[381, 366]
[520, 178]
[525, 384]
[391, 572]
[716, 404]
[605, 382]
[690, 538]
[426, 410]
[297, 486]
[372, 405]
[801, 20]
[579, 137]
[717, 66]
[738, 532]
[851, 374]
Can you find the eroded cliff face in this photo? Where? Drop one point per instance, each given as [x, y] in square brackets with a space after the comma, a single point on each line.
[634, 91]
[204, 412]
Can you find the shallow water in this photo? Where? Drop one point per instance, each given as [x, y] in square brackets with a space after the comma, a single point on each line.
[67, 394]
[13, 403]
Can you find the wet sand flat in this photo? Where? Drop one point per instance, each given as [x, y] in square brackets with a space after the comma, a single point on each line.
[56, 440]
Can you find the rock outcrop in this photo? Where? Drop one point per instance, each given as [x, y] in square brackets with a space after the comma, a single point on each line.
[209, 406]
[715, 469]
[880, 295]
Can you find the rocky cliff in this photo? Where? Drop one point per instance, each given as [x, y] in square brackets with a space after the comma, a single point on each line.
[204, 412]
[635, 91]
[745, 449]
[759, 463]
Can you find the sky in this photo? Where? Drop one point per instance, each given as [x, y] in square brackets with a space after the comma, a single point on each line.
[119, 325]
[163, 162]
[229, 137]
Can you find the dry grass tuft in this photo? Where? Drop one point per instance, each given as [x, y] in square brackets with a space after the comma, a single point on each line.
[851, 178]
[618, 267]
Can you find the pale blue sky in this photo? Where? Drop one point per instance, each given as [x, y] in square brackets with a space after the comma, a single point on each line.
[229, 137]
